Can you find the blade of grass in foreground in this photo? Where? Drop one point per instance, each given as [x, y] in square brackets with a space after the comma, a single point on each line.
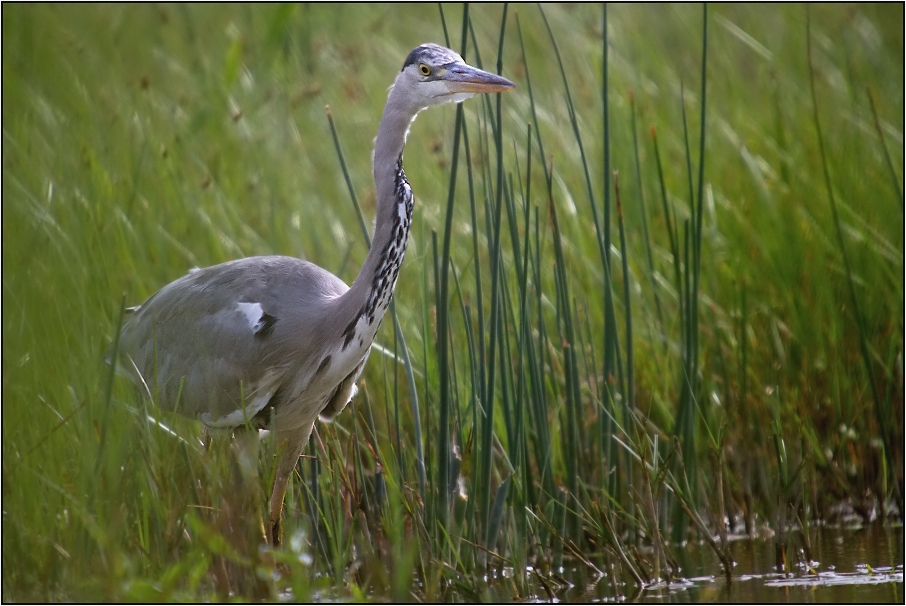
[108, 387]
[611, 352]
[629, 394]
[893, 173]
[444, 452]
[685, 423]
[838, 230]
[571, 445]
[537, 349]
[602, 229]
[644, 214]
[602, 233]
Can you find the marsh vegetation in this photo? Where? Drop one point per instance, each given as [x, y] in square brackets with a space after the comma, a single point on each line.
[653, 294]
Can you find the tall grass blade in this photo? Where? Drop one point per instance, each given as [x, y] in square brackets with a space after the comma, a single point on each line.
[443, 353]
[894, 178]
[611, 349]
[629, 393]
[644, 214]
[108, 386]
[880, 411]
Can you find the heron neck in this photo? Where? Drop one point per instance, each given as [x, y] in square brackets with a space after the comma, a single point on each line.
[368, 297]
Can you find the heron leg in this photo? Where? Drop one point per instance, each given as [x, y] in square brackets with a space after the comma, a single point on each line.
[246, 500]
[291, 444]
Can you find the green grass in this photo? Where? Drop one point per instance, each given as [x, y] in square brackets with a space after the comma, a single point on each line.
[570, 374]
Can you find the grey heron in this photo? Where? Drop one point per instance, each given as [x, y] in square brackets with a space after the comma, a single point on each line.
[275, 342]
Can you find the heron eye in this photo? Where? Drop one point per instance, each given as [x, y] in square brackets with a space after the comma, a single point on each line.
[424, 69]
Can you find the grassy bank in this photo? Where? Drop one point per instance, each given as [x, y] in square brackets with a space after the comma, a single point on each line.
[652, 296]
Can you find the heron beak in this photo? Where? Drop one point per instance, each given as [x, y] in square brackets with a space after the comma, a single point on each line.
[465, 79]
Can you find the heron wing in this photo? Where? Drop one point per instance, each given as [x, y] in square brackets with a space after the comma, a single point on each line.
[218, 343]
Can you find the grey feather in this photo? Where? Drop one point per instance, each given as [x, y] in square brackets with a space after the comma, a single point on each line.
[199, 352]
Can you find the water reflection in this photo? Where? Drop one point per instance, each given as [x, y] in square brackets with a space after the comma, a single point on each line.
[848, 565]
[857, 565]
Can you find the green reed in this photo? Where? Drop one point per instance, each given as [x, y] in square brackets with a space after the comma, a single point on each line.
[579, 366]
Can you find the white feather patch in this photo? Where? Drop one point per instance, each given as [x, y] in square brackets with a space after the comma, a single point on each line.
[234, 419]
[253, 313]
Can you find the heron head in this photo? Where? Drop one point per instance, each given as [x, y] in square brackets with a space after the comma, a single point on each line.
[435, 75]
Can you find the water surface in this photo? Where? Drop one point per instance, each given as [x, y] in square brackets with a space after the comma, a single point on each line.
[858, 565]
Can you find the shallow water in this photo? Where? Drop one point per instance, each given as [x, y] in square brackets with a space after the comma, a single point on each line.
[855, 565]
[848, 565]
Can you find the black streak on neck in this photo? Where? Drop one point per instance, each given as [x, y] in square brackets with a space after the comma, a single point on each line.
[384, 280]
